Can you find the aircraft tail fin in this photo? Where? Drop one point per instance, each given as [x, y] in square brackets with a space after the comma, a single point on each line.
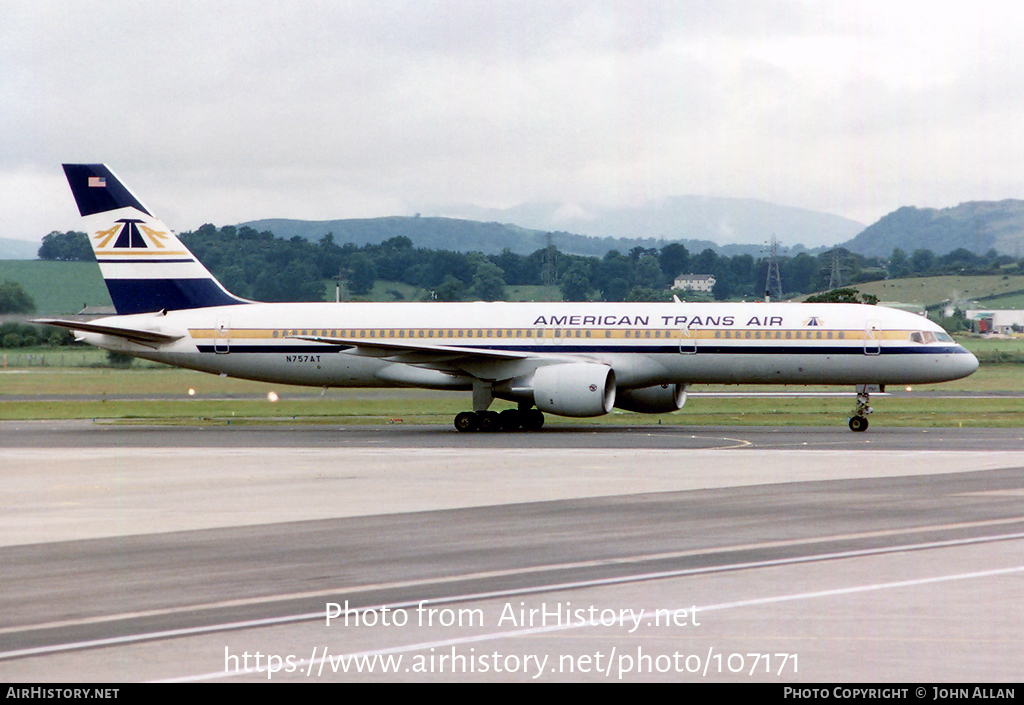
[145, 266]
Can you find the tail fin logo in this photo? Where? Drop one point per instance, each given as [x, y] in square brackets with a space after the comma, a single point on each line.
[127, 232]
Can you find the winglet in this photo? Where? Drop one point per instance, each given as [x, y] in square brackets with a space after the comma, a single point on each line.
[97, 190]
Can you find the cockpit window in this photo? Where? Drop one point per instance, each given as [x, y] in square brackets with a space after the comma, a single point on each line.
[927, 336]
[944, 337]
[917, 337]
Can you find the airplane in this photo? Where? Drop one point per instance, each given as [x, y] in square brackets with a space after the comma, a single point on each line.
[568, 359]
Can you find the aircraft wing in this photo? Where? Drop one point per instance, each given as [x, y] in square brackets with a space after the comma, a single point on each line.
[135, 335]
[479, 362]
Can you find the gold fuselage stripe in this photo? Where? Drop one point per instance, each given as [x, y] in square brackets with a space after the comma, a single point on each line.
[526, 334]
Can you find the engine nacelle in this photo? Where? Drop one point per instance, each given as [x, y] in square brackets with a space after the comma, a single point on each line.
[574, 389]
[659, 399]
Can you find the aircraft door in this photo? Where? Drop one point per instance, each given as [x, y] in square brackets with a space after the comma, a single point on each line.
[222, 335]
[688, 340]
[873, 338]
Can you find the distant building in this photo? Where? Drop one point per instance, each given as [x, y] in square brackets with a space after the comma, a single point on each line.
[694, 282]
[996, 321]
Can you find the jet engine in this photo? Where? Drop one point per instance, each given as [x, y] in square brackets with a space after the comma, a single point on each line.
[568, 389]
[659, 399]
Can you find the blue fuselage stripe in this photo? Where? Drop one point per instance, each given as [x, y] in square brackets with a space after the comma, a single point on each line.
[147, 295]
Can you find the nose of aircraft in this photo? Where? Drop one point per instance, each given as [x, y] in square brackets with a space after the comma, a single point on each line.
[965, 363]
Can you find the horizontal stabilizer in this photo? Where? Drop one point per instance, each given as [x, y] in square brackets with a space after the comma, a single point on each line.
[135, 335]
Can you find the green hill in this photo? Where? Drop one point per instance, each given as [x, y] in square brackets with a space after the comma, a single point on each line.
[977, 226]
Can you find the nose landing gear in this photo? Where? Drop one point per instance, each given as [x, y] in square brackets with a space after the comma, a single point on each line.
[859, 421]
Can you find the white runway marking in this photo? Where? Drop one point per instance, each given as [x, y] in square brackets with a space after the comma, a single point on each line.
[576, 585]
[310, 663]
[483, 575]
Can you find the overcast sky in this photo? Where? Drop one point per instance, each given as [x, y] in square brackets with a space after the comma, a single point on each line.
[222, 112]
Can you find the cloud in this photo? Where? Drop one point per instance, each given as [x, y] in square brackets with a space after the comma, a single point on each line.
[231, 111]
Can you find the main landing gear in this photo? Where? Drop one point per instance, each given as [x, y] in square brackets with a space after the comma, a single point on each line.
[859, 420]
[508, 420]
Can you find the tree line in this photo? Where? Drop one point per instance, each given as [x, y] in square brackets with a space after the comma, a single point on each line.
[260, 266]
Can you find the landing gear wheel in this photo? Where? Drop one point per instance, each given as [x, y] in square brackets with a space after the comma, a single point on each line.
[858, 424]
[511, 420]
[467, 421]
[489, 421]
[532, 420]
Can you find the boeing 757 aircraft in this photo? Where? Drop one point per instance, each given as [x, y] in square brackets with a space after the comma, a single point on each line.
[568, 359]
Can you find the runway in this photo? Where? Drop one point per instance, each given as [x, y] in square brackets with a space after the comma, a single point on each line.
[583, 554]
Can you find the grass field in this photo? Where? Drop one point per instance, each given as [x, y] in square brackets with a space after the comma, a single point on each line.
[1012, 301]
[932, 291]
[100, 394]
[58, 288]
[418, 407]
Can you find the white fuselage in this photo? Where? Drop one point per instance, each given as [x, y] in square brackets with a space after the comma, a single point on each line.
[644, 343]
